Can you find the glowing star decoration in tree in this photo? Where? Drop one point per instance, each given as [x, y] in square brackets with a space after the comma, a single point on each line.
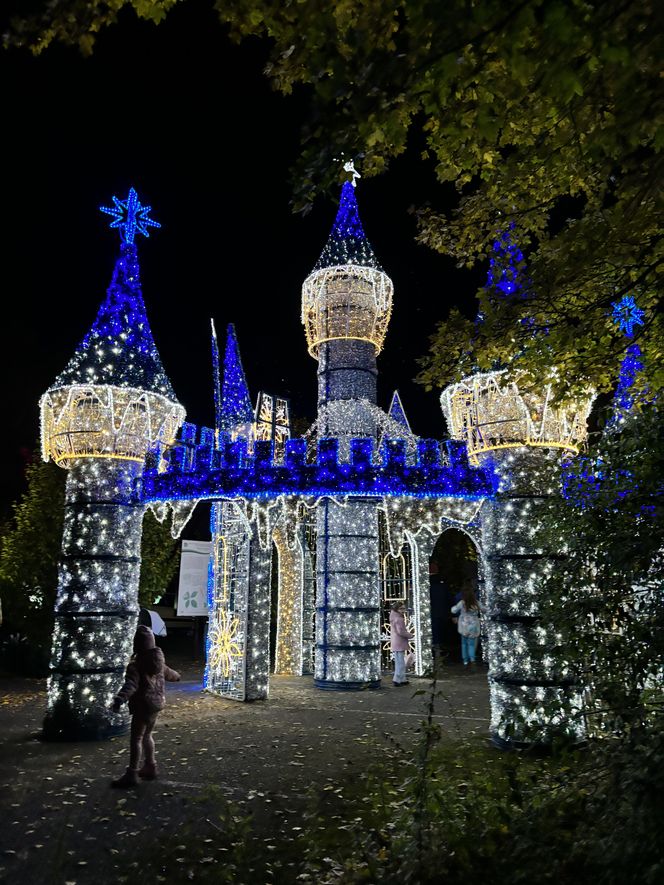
[506, 265]
[130, 217]
[224, 649]
[626, 315]
[236, 415]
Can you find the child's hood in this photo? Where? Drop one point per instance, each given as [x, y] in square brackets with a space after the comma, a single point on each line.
[151, 661]
[143, 639]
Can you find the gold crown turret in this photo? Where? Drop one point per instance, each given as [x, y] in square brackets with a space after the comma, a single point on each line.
[490, 413]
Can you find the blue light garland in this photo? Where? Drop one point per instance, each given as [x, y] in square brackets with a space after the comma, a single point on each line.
[506, 268]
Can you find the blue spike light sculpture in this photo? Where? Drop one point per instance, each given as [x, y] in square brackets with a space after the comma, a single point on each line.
[109, 406]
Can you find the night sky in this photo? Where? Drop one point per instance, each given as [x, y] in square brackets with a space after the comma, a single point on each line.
[190, 121]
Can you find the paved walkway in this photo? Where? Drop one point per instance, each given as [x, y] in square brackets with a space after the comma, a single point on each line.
[61, 820]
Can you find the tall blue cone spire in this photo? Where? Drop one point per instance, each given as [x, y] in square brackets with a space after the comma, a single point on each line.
[347, 242]
[119, 349]
[236, 410]
[216, 380]
[396, 412]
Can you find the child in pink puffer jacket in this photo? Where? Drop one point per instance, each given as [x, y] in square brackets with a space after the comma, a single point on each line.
[144, 689]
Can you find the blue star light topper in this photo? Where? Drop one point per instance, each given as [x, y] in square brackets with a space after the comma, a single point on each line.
[626, 314]
[129, 216]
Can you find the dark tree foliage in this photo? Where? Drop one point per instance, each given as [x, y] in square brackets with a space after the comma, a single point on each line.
[30, 550]
[543, 113]
[606, 599]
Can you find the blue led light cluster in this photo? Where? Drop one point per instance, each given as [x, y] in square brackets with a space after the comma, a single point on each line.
[627, 315]
[624, 397]
[585, 481]
[347, 243]
[119, 349]
[199, 471]
[507, 264]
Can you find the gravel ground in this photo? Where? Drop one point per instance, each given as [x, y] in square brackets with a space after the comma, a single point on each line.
[63, 824]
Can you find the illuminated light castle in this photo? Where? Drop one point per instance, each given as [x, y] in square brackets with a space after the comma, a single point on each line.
[348, 515]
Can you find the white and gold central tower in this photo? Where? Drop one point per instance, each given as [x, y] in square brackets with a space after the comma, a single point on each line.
[346, 306]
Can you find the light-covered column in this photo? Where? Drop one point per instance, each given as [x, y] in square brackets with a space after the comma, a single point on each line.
[421, 546]
[533, 695]
[522, 434]
[96, 609]
[348, 596]
[238, 644]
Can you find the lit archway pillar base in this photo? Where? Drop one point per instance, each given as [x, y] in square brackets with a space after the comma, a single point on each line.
[288, 657]
[422, 546]
[96, 609]
[238, 644]
[348, 596]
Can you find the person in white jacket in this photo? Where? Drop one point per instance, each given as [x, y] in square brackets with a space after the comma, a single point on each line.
[467, 611]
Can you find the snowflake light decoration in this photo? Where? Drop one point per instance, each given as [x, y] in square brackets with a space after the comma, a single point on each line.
[130, 216]
[224, 643]
[626, 315]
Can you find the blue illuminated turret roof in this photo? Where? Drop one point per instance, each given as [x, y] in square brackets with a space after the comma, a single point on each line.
[119, 349]
[347, 242]
[396, 412]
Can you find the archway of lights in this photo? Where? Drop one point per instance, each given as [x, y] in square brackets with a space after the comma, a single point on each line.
[353, 507]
